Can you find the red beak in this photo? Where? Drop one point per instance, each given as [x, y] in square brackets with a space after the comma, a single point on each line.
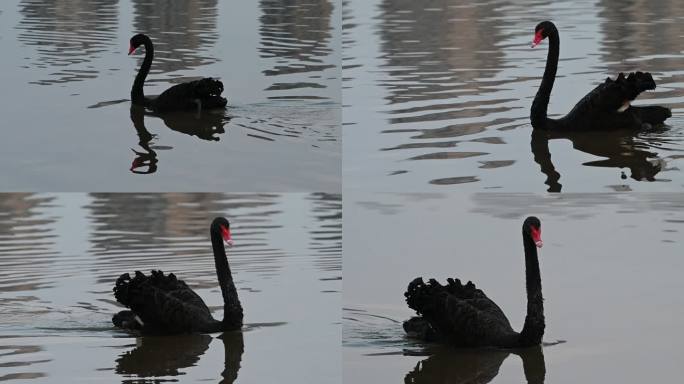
[537, 38]
[536, 236]
[225, 232]
[131, 49]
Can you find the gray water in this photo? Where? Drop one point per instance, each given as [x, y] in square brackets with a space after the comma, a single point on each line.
[60, 255]
[67, 122]
[437, 95]
[611, 270]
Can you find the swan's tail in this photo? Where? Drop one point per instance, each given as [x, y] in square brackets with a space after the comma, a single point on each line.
[424, 298]
[128, 291]
[635, 83]
[430, 302]
[126, 288]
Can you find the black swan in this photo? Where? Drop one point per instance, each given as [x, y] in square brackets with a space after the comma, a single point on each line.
[464, 316]
[198, 94]
[605, 107]
[162, 304]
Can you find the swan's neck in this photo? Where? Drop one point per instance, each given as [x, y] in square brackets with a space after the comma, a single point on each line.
[533, 329]
[137, 95]
[232, 309]
[541, 100]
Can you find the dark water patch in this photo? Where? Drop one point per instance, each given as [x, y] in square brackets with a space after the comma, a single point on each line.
[455, 180]
[447, 155]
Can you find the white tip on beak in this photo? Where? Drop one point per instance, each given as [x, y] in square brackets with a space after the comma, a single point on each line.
[539, 243]
[229, 243]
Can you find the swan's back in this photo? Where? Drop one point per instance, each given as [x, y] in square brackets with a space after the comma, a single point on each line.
[186, 96]
[163, 303]
[458, 313]
[607, 106]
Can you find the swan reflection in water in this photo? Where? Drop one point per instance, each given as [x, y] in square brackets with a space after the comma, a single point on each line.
[621, 149]
[476, 366]
[158, 356]
[206, 125]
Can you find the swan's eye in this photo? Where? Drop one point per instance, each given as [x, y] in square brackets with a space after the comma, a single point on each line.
[538, 37]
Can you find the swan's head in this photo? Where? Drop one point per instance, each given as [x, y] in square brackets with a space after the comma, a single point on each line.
[532, 227]
[542, 31]
[137, 41]
[222, 226]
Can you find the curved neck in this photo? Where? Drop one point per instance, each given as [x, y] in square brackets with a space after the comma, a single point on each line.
[232, 309]
[533, 329]
[137, 95]
[541, 100]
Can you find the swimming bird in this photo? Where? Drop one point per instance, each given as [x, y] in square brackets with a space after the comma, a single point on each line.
[162, 304]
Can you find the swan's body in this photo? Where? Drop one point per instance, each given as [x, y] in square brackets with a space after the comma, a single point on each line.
[162, 304]
[464, 316]
[606, 107]
[194, 95]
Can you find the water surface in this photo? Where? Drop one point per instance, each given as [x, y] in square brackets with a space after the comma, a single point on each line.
[437, 95]
[611, 270]
[61, 253]
[67, 119]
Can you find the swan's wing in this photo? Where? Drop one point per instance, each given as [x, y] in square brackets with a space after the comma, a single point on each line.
[613, 96]
[203, 94]
[162, 302]
[459, 312]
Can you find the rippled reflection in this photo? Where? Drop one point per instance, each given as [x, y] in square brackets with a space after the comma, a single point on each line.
[319, 125]
[162, 356]
[326, 238]
[68, 36]
[206, 126]
[297, 35]
[156, 356]
[637, 152]
[140, 239]
[475, 366]
[24, 231]
[432, 50]
[183, 32]
[12, 356]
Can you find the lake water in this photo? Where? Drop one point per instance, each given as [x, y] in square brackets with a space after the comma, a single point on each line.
[611, 270]
[60, 255]
[437, 95]
[67, 122]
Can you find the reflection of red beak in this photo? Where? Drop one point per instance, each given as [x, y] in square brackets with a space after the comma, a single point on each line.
[536, 236]
[137, 162]
[537, 38]
[131, 49]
